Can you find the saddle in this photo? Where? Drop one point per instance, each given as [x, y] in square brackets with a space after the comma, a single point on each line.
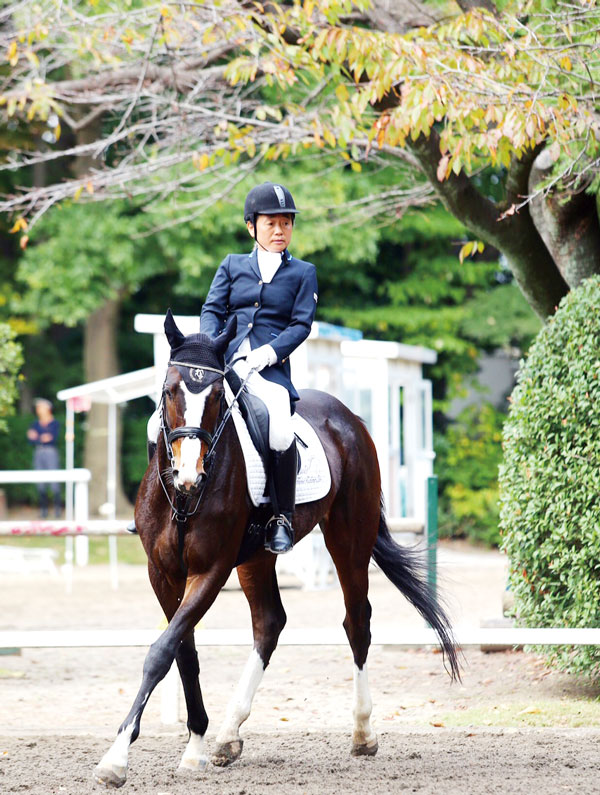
[251, 420]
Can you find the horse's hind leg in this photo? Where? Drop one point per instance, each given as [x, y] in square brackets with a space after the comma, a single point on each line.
[352, 563]
[259, 583]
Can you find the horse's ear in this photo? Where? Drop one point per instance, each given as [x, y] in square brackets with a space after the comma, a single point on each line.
[173, 334]
[228, 333]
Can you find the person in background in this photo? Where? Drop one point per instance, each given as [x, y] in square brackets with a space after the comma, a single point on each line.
[43, 435]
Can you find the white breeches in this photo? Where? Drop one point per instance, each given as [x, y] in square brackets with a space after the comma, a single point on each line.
[277, 400]
[275, 397]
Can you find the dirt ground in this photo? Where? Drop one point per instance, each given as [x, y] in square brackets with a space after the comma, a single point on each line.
[510, 726]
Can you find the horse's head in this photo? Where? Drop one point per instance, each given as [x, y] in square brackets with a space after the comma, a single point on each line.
[192, 395]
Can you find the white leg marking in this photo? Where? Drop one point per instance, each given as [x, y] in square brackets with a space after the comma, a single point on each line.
[363, 733]
[239, 706]
[115, 759]
[194, 757]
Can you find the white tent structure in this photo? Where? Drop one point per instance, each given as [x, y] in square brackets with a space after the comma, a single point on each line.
[112, 392]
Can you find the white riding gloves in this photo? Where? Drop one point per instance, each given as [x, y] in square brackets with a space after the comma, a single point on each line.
[262, 357]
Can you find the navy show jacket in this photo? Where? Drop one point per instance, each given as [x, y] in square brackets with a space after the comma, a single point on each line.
[278, 313]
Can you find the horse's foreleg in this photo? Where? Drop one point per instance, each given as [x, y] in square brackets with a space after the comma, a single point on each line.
[195, 756]
[199, 594]
[112, 769]
[259, 583]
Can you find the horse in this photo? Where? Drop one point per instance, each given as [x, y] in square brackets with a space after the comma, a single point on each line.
[192, 514]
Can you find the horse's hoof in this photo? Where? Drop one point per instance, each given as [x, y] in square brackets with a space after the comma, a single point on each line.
[192, 766]
[226, 753]
[109, 778]
[365, 749]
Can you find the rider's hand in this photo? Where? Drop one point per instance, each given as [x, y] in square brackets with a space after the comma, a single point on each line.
[261, 357]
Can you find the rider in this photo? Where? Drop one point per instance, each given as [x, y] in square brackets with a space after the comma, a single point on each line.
[274, 297]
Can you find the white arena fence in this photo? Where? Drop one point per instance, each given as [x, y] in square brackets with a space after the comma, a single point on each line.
[171, 689]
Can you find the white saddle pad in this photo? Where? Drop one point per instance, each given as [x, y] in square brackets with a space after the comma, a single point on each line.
[314, 479]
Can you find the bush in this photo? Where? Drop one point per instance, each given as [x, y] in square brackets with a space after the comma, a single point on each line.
[468, 458]
[550, 478]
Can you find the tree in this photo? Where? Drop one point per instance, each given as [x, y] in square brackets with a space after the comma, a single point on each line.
[194, 88]
[10, 363]
[86, 260]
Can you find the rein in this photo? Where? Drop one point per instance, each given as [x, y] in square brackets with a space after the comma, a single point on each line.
[182, 505]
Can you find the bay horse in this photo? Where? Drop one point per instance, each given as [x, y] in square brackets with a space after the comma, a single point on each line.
[192, 550]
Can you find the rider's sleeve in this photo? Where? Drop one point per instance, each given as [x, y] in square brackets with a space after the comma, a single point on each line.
[216, 307]
[302, 315]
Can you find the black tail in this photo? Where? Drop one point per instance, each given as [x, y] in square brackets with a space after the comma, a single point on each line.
[405, 569]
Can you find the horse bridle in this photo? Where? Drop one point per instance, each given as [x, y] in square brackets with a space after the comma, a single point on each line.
[182, 504]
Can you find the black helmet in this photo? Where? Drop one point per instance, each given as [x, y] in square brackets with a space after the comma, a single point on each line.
[268, 199]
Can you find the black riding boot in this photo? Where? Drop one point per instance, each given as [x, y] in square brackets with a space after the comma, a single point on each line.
[279, 536]
[150, 449]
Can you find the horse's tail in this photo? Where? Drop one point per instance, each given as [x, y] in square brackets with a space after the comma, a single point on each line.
[406, 570]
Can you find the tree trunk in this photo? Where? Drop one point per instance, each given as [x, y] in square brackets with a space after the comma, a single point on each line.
[100, 361]
[568, 224]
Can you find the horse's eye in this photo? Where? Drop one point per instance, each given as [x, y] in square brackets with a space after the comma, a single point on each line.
[167, 394]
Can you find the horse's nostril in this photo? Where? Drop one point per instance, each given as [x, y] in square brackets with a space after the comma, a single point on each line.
[175, 473]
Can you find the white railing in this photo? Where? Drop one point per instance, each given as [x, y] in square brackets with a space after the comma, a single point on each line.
[76, 527]
[334, 636]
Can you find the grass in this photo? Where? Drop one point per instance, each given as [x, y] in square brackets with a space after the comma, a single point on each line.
[565, 713]
[130, 549]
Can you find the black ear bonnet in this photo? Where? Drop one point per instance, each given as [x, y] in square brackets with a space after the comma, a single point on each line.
[205, 354]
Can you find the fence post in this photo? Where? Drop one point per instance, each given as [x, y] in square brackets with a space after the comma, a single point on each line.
[81, 515]
[432, 533]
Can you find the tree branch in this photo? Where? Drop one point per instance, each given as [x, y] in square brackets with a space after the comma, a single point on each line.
[516, 236]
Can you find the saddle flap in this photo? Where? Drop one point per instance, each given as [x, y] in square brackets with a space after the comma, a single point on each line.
[255, 414]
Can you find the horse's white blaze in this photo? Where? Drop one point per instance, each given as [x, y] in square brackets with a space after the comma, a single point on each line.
[195, 755]
[239, 706]
[115, 759]
[363, 733]
[190, 448]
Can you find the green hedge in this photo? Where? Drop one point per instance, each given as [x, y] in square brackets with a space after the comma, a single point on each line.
[550, 478]
[467, 460]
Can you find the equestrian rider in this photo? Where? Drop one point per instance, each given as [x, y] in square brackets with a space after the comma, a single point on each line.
[274, 297]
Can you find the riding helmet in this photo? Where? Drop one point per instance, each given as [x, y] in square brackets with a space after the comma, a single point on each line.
[268, 199]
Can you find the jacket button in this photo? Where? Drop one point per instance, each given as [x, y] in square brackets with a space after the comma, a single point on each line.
[256, 303]
[249, 325]
[260, 281]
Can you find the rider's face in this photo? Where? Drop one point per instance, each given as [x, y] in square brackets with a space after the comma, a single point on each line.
[273, 232]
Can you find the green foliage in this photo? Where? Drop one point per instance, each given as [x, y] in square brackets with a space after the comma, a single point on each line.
[468, 456]
[133, 451]
[550, 479]
[83, 255]
[500, 318]
[11, 360]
